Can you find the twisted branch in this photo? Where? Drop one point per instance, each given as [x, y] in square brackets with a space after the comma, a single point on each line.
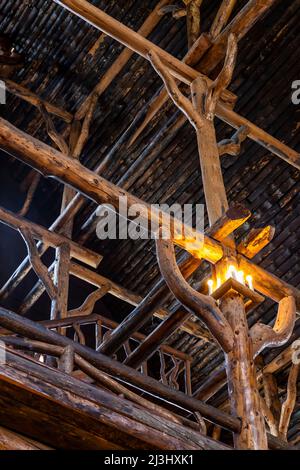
[223, 80]
[181, 101]
[203, 306]
[289, 404]
[233, 146]
[39, 268]
[88, 305]
[264, 336]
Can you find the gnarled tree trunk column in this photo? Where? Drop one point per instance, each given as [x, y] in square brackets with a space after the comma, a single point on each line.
[240, 368]
[241, 374]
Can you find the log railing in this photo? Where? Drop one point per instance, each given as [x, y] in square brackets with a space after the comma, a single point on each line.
[39, 339]
[174, 366]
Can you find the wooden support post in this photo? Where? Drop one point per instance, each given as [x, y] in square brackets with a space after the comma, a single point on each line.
[232, 219]
[193, 20]
[142, 46]
[212, 177]
[59, 305]
[241, 373]
[66, 361]
[229, 326]
[53, 163]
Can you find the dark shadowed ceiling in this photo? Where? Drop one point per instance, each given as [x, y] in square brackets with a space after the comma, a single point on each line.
[64, 59]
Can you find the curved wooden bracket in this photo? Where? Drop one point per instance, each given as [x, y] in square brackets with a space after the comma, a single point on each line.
[181, 101]
[264, 336]
[233, 146]
[39, 268]
[88, 305]
[223, 80]
[203, 306]
[289, 404]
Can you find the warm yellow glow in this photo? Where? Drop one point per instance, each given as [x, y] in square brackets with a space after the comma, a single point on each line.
[249, 280]
[210, 284]
[241, 277]
[231, 272]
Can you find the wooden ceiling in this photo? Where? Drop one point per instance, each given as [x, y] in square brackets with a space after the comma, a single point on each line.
[64, 58]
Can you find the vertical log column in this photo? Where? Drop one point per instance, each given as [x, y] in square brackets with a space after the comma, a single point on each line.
[241, 373]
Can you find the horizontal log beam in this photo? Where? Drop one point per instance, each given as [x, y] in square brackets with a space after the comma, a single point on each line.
[118, 65]
[178, 69]
[33, 99]
[32, 330]
[133, 40]
[50, 238]
[52, 163]
[255, 241]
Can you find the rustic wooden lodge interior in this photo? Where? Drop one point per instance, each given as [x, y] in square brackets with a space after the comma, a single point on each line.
[186, 342]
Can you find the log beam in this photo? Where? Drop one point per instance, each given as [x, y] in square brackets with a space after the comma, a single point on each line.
[147, 27]
[241, 373]
[49, 238]
[32, 330]
[255, 241]
[21, 92]
[53, 163]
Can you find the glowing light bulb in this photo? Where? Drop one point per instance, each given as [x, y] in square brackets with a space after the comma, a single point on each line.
[41, 358]
[241, 277]
[210, 284]
[231, 272]
[249, 280]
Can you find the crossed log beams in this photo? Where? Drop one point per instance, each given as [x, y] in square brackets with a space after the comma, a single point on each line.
[32, 330]
[230, 329]
[56, 288]
[159, 294]
[53, 163]
[231, 220]
[147, 27]
[50, 238]
[239, 26]
[186, 74]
